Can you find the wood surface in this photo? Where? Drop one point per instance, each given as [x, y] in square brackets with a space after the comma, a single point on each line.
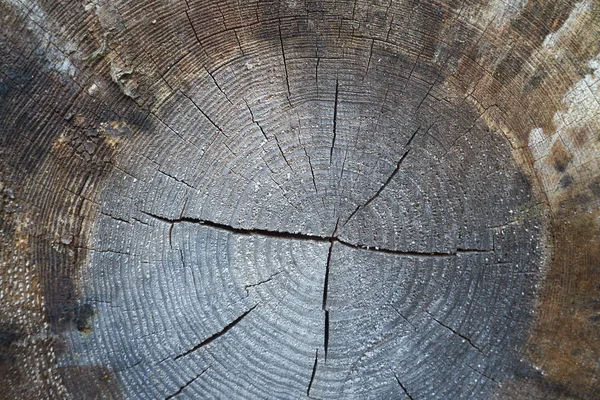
[300, 199]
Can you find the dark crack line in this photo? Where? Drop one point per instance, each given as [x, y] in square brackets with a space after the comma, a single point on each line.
[435, 138]
[326, 334]
[385, 184]
[389, 179]
[176, 179]
[382, 108]
[217, 335]
[181, 258]
[287, 79]
[427, 94]
[171, 236]
[242, 231]
[403, 317]
[332, 240]
[325, 293]
[387, 36]
[218, 86]
[173, 130]
[314, 372]
[370, 56]
[415, 134]
[482, 374]
[283, 192]
[269, 279]
[265, 135]
[237, 38]
[254, 121]
[335, 111]
[473, 251]
[317, 74]
[312, 172]
[188, 383]
[403, 387]
[311, 238]
[326, 281]
[413, 67]
[194, 30]
[115, 218]
[128, 367]
[282, 153]
[206, 116]
[460, 335]
[191, 269]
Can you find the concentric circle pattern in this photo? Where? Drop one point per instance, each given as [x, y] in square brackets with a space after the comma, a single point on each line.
[318, 216]
[288, 199]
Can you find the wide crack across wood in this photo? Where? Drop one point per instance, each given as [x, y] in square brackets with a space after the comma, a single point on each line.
[313, 238]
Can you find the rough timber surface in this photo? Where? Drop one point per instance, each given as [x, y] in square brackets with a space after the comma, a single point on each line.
[300, 199]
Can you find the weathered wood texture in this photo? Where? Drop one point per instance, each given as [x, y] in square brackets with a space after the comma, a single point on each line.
[288, 199]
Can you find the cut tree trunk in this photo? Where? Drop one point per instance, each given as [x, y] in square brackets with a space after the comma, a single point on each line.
[300, 199]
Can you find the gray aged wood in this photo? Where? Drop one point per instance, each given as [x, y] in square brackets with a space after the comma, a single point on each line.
[299, 199]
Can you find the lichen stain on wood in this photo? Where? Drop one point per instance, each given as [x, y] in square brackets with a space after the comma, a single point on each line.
[91, 382]
[565, 342]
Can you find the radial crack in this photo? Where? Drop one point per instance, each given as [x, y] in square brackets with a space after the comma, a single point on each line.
[282, 153]
[287, 79]
[325, 290]
[428, 93]
[413, 67]
[418, 254]
[218, 86]
[218, 334]
[326, 281]
[326, 334]
[332, 240]
[188, 383]
[403, 387]
[473, 251]
[403, 317]
[312, 172]
[460, 335]
[314, 372]
[369, 62]
[335, 110]
[206, 116]
[176, 179]
[387, 182]
[243, 231]
[265, 135]
[254, 121]
[482, 374]
[262, 282]
[396, 170]
[194, 30]
[312, 238]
